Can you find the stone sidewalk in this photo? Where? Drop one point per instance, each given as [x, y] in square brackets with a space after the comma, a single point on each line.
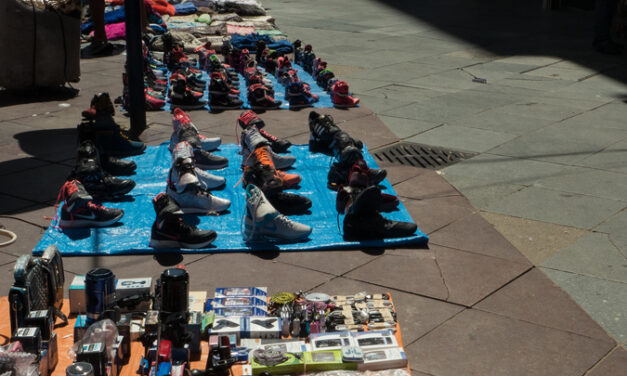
[478, 301]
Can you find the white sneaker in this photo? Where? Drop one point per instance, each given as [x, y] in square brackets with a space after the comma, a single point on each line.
[183, 150]
[206, 143]
[263, 220]
[196, 200]
[209, 181]
[182, 174]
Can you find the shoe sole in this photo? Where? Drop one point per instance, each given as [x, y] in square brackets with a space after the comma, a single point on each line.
[225, 107]
[82, 223]
[188, 107]
[212, 167]
[176, 244]
[202, 211]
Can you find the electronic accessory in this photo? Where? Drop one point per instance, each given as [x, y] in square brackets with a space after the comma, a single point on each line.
[30, 338]
[99, 294]
[43, 320]
[52, 351]
[380, 359]
[94, 354]
[133, 294]
[264, 327]
[375, 339]
[79, 369]
[331, 341]
[173, 291]
[275, 361]
[318, 297]
[77, 294]
[352, 354]
[225, 292]
[328, 360]
[124, 331]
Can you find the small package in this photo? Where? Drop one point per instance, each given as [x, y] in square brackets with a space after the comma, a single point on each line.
[375, 339]
[330, 341]
[240, 311]
[328, 360]
[197, 301]
[379, 359]
[126, 288]
[238, 301]
[227, 292]
[292, 364]
[77, 295]
[264, 327]
[225, 325]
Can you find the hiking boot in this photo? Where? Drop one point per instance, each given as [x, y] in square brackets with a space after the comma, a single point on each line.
[100, 105]
[326, 137]
[262, 220]
[78, 210]
[183, 150]
[99, 184]
[112, 165]
[260, 99]
[289, 203]
[170, 231]
[196, 200]
[297, 96]
[108, 137]
[373, 225]
[341, 97]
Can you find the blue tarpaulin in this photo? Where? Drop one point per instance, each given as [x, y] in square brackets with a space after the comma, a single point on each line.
[132, 233]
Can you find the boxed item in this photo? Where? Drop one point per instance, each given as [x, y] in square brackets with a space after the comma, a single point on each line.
[197, 301]
[379, 359]
[330, 341]
[239, 301]
[77, 295]
[292, 364]
[227, 292]
[286, 346]
[193, 327]
[240, 311]
[375, 339]
[128, 287]
[264, 327]
[328, 360]
[225, 325]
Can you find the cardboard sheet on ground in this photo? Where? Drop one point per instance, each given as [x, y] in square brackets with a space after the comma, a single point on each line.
[132, 233]
[279, 90]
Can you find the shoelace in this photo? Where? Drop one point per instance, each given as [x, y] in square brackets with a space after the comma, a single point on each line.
[262, 154]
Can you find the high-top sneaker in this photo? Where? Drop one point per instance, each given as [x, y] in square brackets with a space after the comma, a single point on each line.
[371, 226]
[263, 155]
[249, 118]
[278, 145]
[308, 59]
[78, 210]
[182, 173]
[170, 231]
[324, 76]
[186, 131]
[264, 177]
[262, 220]
[98, 183]
[289, 203]
[298, 51]
[360, 200]
[182, 97]
[195, 199]
[184, 150]
[218, 100]
[208, 161]
[260, 99]
[351, 159]
[341, 96]
[326, 137]
[297, 96]
[108, 137]
[100, 105]
[260, 45]
[112, 165]
[252, 140]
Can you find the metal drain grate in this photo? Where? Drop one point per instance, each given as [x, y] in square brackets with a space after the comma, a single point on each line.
[417, 155]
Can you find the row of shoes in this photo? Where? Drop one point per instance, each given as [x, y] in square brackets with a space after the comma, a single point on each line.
[359, 196]
[338, 89]
[101, 146]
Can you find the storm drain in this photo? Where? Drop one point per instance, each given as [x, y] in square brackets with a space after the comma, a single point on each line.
[418, 155]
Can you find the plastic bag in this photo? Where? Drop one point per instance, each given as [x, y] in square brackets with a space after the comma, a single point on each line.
[100, 331]
[24, 362]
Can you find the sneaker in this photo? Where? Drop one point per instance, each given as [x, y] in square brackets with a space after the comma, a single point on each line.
[112, 165]
[264, 177]
[108, 137]
[249, 118]
[183, 150]
[341, 97]
[182, 174]
[224, 102]
[324, 76]
[98, 183]
[186, 131]
[263, 155]
[196, 200]
[278, 145]
[262, 220]
[251, 140]
[207, 161]
[373, 225]
[260, 99]
[182, 97]
[297, 96]
[280, 161]
[170, 231]
[100, 105]
[326, 137]
[78, 210]
[364, 200]
[350, 161]
[289, 203]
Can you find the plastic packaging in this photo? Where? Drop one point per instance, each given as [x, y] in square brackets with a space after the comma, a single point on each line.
[24, 362]
[387, 372]
[100, 331]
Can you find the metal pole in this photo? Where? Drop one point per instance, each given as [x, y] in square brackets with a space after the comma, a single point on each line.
[135, 66]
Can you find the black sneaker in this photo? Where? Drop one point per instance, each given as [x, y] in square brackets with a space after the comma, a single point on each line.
[289, 203]
[170, 231]
[208, 161]
[351, 160]
[99, 184]
[79, 211]
[112, 165]
[373, 226]
[224, 102]
[264, 177]
[276, 144]
[326, 137]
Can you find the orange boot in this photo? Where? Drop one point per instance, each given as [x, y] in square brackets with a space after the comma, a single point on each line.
[262, 155]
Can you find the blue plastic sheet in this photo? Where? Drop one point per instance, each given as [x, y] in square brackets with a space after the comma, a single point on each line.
[279, 90]
[131, 235]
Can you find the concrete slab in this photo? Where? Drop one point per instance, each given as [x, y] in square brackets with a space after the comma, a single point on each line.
[426, 185]
[462, 138]
[590, 182]
[435, 213]
[479, 192]
[440, 272]
[12, 204]
[28, 236]
[497, 121]
[593, 255]
[614, 364]
[612, 158]
[403, 92]
[479, 343]
[343, 261]
[28, 184]
[404, 128]
[417, 315]
[562, 208]
[536, 240]
[615, 228]
[605, 301]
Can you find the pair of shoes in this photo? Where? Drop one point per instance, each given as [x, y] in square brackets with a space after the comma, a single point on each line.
[260, 98]
[299, 95]
[221, 95]
[262, 220]
[326, 137]
[170, 230]
[96, 181]
[249, 118]
[183, 151]
[78, 209]
[183, 129]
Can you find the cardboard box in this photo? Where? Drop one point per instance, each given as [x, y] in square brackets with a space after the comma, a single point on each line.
[379, 359]
[77, 295]
[329, 360]
[264, 327]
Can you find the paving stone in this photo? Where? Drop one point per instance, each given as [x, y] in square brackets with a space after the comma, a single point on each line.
[435, 213]
[534, 298]
[605, 301]
[594, 255]
[613, 364]
[462, 138]
[48, 144]
[399, 173]
[21, 161]
[404, 128]
[535, 82]
[417, 315]
[61, 119]
[7, 137]
[504, 123]
[28, 236]
[403, 92]
[398, 72]
[588, 182]
[612, 158]
[615, 228]
[562, 208]
[342, 261]
[6, 259]
[218, 271]
[427, 185]
[536, 240]
[479, 192]
[559, 72]
[475, 234]
[448, 81]
[529, 60]
[540, 110]
[11, 204]
[28, 184]
[479, 343]
[440, 272]
[370, 130]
